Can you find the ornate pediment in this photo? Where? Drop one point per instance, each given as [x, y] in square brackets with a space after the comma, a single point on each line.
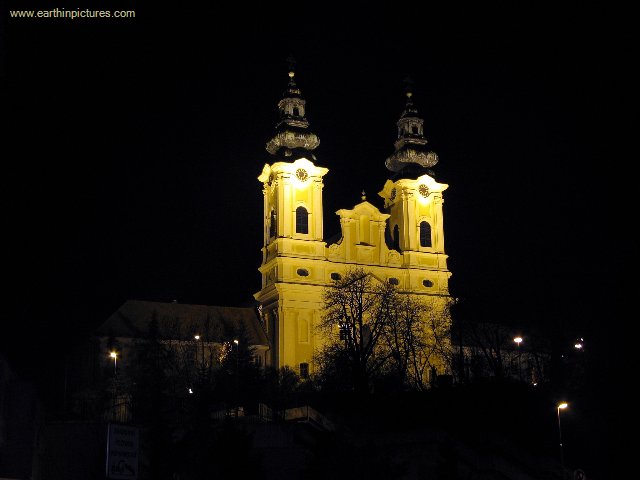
[364, 208]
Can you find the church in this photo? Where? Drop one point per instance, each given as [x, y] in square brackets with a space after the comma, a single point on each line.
[402, 245]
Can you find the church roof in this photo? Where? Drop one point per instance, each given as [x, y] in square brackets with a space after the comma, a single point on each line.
[179, 321]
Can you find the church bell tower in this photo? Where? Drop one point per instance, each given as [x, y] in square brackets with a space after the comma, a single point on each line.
[293, 249]
[412, 196]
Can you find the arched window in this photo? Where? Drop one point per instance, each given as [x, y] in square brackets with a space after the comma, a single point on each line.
[296, 111]
[273, 225]
[414, 129]
[425, 234]
[396, 238]
[302, 220]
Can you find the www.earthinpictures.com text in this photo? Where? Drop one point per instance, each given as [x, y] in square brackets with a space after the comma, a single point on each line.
[74, 14]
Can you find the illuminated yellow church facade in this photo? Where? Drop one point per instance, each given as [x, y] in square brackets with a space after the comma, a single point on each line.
[403, 245]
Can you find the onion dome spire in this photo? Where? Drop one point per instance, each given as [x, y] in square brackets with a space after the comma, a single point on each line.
[292, 139]
[411, 156]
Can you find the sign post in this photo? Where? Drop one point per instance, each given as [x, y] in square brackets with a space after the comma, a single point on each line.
[122, 452]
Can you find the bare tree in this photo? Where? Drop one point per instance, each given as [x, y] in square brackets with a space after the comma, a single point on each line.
[405, 337]
[418, 338]
[382, 330]
[358, 306]
[490, 340]
[489, 350]
[430, 349]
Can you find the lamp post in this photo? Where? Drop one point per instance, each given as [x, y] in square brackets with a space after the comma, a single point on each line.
[580, 361]
[114, 355]
[197, 337]
[518, 341]
[561, 406]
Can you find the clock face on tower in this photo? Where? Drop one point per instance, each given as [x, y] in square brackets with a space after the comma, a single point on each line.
[302, 174]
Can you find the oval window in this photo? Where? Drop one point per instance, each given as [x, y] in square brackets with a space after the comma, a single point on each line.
[427, 283]
[303, 272]
[336, 276]
[394, 281]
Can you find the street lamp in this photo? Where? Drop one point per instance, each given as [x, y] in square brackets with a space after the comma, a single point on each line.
[561, 406]
[114, 355]
[197, 337]
[518, 341]
[237, 354]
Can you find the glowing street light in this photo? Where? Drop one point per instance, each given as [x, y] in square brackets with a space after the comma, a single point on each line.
[561, 406]
[197, 337]
[114, 355]
[578, 346]
[518, 341]
[237, 355]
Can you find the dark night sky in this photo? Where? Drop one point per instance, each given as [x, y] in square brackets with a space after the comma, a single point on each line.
[134, 147]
